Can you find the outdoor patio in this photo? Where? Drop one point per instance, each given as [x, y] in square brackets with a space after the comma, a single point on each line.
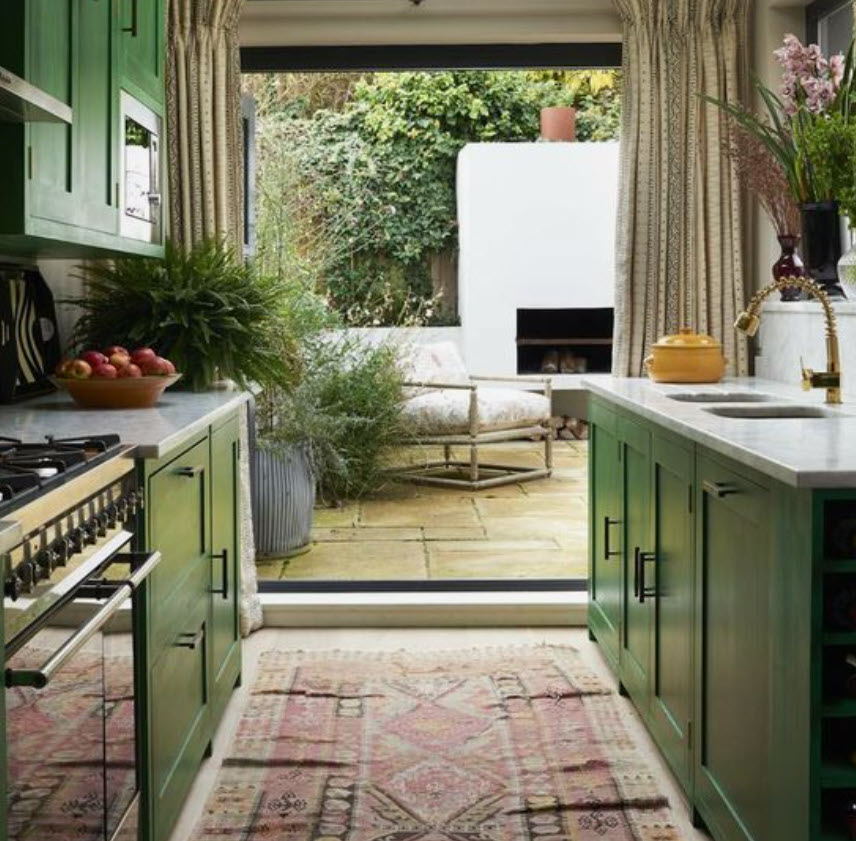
[532, 530]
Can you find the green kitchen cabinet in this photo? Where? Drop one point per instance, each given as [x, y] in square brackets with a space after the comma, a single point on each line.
[61, 181]
[634, 656]
[142, 28]
[605, 531]
[670, 703]
[225, 568]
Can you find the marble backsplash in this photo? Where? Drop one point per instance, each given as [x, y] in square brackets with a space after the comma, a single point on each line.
[790, 331]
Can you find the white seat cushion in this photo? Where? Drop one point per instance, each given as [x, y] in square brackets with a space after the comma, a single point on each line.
[435, 363]
[447, 411]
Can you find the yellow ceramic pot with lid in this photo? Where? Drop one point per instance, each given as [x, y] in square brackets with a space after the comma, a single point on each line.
[686, 357]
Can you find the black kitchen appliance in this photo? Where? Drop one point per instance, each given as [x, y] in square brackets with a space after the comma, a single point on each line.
[71, 623]
[29, 336]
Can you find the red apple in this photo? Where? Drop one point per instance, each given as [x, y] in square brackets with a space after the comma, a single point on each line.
[170, 368]
[105, 371]
[157, 367]
[109, 351]
[141, 355]
[62, 367]
[130, 370]
[119, 360]
[78, 369]
[93, 357]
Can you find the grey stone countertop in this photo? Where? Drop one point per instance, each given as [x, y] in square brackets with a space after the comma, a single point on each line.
[154, 432]
[807, 452]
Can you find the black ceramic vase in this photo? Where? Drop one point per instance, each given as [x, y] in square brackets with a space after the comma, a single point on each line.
[822, 245]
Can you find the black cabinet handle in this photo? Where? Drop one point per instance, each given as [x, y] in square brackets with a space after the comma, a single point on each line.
[191, 641]
[189, 472]
[636, 573]
[644, 591]
[133, 29]
[607, 552]
[719, 489]
[224, 557]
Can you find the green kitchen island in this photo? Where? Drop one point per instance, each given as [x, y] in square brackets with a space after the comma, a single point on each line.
[723, 594]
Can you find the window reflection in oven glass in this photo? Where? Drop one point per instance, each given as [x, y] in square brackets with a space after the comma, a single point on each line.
[71, 745]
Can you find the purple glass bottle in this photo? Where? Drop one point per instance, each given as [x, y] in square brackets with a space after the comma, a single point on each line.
[789, 265]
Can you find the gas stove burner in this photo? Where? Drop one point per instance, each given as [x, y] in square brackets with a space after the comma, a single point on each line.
[90, 443]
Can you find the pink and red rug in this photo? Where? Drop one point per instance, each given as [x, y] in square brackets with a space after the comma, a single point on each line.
[519, 744]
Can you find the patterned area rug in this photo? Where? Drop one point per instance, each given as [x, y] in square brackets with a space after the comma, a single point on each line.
[517, 744]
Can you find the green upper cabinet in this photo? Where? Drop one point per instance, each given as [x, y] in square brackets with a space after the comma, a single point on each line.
[61, 182]
[141, 49]
[605, 562]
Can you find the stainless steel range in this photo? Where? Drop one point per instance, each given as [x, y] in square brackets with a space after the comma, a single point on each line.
[68, 511]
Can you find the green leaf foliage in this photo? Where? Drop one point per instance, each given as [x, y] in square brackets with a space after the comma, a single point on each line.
[205, 309]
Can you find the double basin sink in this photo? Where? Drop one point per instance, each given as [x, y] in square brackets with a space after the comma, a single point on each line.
[745, 405]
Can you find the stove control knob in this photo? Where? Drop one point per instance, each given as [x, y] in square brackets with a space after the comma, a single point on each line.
[90, 531]
[122, 509]
[47, 561]
[76, 539]
[62, 548]
[13, 587]
[103, 524]
[133, 502]
[112, 515]
[28, 575]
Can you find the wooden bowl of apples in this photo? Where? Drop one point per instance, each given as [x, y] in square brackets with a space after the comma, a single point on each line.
[116, 378]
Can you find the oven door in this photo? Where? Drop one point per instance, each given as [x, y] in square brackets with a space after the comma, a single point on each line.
[71, 723]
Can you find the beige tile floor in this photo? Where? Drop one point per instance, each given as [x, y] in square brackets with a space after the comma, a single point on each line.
[409, 532]
[370, 639]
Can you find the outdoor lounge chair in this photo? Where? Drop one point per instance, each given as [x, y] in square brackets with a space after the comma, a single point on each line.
[448, 407]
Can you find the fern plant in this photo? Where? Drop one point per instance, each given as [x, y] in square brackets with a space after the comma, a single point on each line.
[205, 309]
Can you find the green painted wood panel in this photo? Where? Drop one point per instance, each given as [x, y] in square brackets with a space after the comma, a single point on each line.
[732, 653]
[142, 25]
[671, 702]
[605, 560]
[635, 649]
[225, 568]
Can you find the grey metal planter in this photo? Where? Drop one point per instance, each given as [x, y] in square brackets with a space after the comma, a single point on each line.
[283, 500]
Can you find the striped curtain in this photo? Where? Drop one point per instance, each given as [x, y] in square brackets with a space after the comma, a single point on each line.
[681, 227]
[205, 147]
[205, 152]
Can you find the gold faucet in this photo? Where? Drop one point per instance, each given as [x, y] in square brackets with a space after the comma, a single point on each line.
[748, 322]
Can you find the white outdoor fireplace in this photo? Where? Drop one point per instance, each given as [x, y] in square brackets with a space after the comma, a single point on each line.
[537, 255]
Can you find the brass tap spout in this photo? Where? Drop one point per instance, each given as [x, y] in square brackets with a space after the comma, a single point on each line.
[749, 320]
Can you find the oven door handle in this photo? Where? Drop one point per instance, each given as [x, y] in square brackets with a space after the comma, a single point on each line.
[40, 678]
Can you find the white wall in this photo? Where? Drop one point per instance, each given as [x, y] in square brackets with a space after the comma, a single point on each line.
[537, 230]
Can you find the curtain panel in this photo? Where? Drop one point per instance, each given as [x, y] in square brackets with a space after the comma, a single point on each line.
[205, 154]
[204, 137]
[681, 226]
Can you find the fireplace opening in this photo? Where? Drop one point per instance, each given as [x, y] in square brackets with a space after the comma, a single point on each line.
[564, 341]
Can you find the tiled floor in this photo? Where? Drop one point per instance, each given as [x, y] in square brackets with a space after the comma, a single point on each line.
[370, 639]
[409, 532]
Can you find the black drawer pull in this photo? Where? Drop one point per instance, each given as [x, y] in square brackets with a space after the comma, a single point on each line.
[191, 641]
[224, 557]
[189, 472]
[645, 591]
[636, 572]
[719, 489]
[607, 552]
[133, 29]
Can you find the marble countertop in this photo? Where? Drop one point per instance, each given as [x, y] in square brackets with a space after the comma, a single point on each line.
[154, 432]
[804, 452]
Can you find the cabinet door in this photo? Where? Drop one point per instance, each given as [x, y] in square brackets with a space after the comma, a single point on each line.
[94, 114]
[141, 48]
[225, 546]
[604, 531]
[732, 653]
[179, 718]
[635, 651]
[671, 710]
[52, 27]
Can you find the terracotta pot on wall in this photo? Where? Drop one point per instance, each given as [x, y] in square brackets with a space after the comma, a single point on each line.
[559, 124]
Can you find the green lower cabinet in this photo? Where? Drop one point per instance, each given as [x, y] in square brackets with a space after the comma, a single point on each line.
[634, 657]
[671, 672]
[732, 634]
[605, 566]
[192, 648]
[225, 569]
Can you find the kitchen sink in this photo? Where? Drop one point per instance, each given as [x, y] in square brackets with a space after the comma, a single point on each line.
[772, 412]
[721, 397]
